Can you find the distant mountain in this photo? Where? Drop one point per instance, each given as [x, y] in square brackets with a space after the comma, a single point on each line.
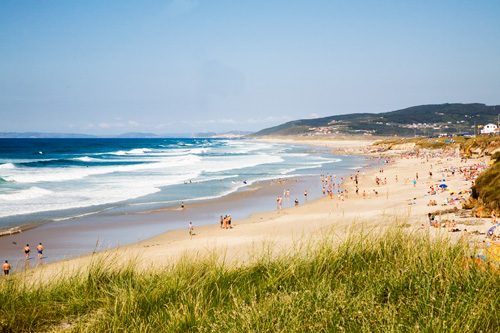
[137, 135]
[40, 135]
[418, 120]
[228, 135]
[129, 135]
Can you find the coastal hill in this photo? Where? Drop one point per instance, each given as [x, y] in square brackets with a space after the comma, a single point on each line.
[423, 120]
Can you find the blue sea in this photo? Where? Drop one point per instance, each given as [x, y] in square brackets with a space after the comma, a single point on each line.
[50, 180]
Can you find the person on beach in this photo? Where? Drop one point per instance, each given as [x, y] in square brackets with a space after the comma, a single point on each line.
[221, 222]
[191, 230]
[27, 250]
[39, 249]
[182, 205]
[305, 195]
[6, 268]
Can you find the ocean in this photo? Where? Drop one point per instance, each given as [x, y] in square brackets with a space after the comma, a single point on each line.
[60, 182]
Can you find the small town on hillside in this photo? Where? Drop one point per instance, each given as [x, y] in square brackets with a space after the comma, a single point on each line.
[336, 128]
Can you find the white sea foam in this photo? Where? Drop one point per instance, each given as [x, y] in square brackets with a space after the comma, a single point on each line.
[28, 194]
[74, 173]
[136, 151]
[86, 159]
[126, 175]
[238, 162]
[39, 200]
[286, 171]
[7, 166]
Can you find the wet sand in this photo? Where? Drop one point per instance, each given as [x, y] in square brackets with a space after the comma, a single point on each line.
[72, 238]
[281, 230]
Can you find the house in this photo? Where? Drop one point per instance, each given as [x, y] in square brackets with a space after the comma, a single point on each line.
[490, 128]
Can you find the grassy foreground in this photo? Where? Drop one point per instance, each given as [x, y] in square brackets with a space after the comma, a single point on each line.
[396, 281]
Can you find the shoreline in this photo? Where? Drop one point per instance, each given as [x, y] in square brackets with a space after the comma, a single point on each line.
[142, 224]
[284, 228]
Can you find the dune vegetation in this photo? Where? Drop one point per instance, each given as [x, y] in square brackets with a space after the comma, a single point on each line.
[398, 280]
[486, 188]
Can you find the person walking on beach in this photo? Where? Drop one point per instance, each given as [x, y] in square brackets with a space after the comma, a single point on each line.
[305, 195]
[221, 222]
[27, 250]
[39, 249]
[6, 268]
[191, 230]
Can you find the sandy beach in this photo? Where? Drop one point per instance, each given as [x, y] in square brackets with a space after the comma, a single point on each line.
[406, 198]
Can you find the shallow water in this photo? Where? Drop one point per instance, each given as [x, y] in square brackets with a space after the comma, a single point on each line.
[71, 194]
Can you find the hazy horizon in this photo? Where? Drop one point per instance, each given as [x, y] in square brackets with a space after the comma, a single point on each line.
[184, 66]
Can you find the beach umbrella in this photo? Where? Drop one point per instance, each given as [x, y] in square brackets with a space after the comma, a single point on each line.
[491, 231]
[493, 252]
[443, 186]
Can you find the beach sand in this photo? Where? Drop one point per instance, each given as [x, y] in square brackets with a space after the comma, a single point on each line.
[279, 231]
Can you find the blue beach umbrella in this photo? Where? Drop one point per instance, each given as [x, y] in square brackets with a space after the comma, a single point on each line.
[491, 231]
[443, 186]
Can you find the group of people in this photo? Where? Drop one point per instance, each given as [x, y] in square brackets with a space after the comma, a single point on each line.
[286, 195]
[26, 250]
[442, 224]
[225, 222]
[432, 203]
[39, 249]
[283, 180]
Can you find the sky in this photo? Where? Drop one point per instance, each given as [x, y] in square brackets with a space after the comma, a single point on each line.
[189, 66]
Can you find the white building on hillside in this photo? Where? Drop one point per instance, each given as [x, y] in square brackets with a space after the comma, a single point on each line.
[490, 128]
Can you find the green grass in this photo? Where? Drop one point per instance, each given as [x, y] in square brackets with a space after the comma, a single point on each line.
[486, 187]
[395, 281]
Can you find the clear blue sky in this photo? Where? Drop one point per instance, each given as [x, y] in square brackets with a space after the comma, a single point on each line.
[108, 67]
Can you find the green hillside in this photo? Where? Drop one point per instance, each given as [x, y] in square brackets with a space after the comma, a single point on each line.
[418, 120]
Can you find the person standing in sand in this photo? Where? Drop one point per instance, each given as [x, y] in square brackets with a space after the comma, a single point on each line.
[6, 268]
[27, 250]
[39, 249]
[191, 230]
